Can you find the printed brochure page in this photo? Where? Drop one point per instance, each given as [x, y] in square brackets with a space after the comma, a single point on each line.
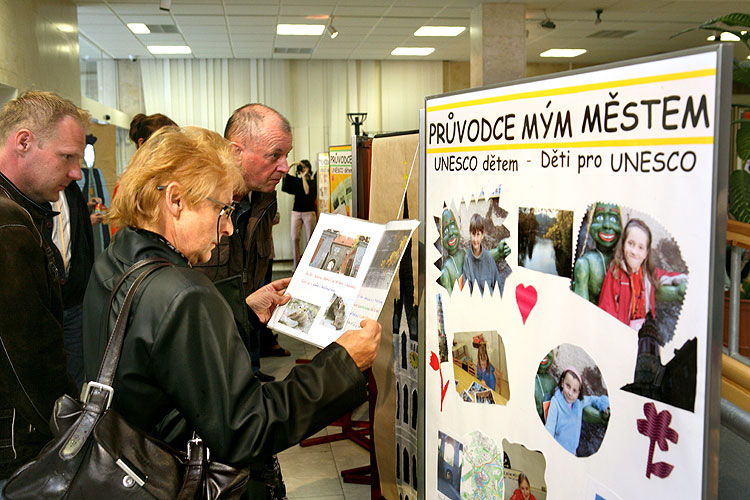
[342, 278]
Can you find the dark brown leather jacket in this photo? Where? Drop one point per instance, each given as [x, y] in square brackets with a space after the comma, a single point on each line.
[253, 223]
[31, 333]
[183, 355]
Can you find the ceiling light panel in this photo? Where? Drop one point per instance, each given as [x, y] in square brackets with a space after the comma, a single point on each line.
[440, 31]
[300, 29]
[412, 51]
[169, 49]
[139, 28]
[562, 53]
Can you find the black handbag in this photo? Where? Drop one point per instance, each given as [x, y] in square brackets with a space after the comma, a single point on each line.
[96, 454]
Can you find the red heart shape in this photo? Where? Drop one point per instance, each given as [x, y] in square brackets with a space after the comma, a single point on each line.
[526, 300]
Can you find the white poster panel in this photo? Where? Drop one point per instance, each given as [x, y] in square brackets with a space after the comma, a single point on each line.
[568, 279]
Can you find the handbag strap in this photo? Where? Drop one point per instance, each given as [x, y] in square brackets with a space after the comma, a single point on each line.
[114, 346]
[97, 395]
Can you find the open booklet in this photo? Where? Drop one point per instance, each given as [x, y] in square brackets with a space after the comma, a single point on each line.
[343, 277]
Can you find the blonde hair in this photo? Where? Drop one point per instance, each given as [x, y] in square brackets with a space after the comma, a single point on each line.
[201, 161]
[39, 112]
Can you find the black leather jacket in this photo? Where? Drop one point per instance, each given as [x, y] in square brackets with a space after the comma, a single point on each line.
[182, 356]
[31, 333]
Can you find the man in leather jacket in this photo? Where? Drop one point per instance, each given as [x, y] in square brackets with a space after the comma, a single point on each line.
[42, 146]
[261, 138]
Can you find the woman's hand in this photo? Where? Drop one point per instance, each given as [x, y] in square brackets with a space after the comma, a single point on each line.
[362, 345]
[264, 300]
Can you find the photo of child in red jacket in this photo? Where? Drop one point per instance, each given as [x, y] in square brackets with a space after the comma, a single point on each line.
[633, 283]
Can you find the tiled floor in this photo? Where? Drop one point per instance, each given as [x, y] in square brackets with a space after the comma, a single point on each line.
[314, 472]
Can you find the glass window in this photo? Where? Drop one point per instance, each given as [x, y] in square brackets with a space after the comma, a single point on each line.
[98, 73]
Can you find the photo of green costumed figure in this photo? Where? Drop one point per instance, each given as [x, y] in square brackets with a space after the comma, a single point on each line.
[473, 251]
[572, 399]
[629, 266]
[604, 223]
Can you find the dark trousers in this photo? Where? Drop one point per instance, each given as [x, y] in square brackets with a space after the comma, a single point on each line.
[73, 342]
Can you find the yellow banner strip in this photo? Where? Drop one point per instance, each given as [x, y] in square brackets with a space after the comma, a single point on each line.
[683, 75]
[340, 148]
[666, 141]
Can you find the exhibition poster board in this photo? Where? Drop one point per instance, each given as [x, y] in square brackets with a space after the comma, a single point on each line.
[340, 168]
[394, 158]
[324, 184]
[574, 234]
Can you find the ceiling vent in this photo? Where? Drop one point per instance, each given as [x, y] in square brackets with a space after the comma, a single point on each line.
[612, 34]
[291, 50]
[163, 28]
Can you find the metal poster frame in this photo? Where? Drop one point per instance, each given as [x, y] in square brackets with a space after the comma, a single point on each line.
[718, 217]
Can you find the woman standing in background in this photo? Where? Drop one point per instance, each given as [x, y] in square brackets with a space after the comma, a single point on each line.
[304, 189]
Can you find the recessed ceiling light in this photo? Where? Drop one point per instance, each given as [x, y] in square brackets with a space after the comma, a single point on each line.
[300, 29]
[412, 51]
[725, 37]
[139, 28]
[562, 53]
[169, 49]
[440, 31]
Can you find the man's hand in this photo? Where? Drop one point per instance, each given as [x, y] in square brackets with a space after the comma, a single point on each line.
[362, 345]
[264, 300]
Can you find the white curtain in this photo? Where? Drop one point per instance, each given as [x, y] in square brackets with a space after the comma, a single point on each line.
[314, 95]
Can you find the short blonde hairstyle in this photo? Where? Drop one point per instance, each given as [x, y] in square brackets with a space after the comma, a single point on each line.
[201, 161]
[39, 112]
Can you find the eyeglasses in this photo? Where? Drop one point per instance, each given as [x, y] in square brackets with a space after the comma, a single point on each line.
[227, 210]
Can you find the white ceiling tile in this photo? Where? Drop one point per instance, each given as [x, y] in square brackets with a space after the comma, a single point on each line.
[253, 32]
[253, 21]
[163, 39]
[150, 8]
[207, 39]
[423, 12]
[249, 39]
[359, 11]
[204, 31]
[200, 20]
[355, 22]
[305, 10]
[251, 10]
[296, 41]
[147, 19]
[180, 9]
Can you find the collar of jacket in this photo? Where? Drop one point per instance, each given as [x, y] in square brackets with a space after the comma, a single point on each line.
[37, 211]
[133, 246]
[252, 204]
